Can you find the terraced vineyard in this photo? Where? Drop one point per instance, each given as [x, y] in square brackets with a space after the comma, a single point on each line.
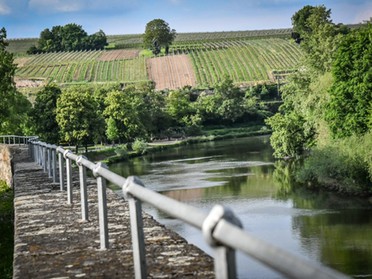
[246, 61]
[88, 66]
[135, 40]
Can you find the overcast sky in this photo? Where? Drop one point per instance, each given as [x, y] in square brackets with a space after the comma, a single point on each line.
[27, 18]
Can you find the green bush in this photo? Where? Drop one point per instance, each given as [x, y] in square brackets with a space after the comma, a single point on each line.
[344, 166]
[140, 146]
[122, 150]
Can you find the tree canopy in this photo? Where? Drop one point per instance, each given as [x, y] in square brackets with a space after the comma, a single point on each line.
[13, 105]
[7, 71]
[350, 107]
[326, 114]
[43, 114]
[77, 116]
[70, 37]
[158, 34]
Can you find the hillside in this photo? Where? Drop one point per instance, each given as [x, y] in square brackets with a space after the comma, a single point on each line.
[196, 59]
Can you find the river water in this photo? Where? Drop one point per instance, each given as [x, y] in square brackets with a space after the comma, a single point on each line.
[242, 174]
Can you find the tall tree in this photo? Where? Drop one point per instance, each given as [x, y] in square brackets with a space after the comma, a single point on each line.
[122, 114]
[13, 105]
[43, 114]
[77, 117]
[319, 36]
[7, 71]
[158, 34]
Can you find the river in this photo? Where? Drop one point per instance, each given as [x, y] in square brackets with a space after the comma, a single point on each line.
[242, 174]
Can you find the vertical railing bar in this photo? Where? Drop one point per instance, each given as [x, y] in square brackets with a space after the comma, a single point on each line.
[68, 177]
[40, 155]
[50, 163]
[224, 260]
[54, 165]
[136, 224]
[102, 207]
[45, 159]
[83, 189]
[61, 171]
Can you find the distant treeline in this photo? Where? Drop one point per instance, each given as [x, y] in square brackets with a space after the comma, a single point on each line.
[70, 37]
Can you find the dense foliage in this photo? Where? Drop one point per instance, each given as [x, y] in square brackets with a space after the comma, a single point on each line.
[13, 105]
[70, 37]
[328, 98]
[158, 34]
[77, 117]
[111, 113]
[350, 107]
[43, 114]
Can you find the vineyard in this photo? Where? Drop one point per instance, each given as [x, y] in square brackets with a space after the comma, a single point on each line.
[88, 66]
[196, 62]
[135, 40]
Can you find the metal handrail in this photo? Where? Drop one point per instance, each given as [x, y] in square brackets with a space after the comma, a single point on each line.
[221, 229]
[14, 139]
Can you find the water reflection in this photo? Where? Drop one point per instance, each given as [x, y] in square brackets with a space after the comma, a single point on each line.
[242, 174]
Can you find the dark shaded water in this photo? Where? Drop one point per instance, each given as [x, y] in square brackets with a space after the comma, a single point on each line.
[241, 174]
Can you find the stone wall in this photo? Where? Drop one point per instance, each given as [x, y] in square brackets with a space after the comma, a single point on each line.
[5, 165]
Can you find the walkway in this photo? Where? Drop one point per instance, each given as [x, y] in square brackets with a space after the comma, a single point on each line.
[52, 242]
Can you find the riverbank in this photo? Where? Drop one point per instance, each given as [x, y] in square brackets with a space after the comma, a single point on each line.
[114, 154]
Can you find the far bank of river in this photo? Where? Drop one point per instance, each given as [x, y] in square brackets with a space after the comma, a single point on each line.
[242, 174]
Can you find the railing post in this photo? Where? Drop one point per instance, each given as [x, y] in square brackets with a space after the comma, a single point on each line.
[54, 164]
[61, 170]
[50, 164]
[68, 176]
[34, 151]
[45, 158]
[102, 206]
[136, 224]
[224, 260]
[83, 188]
[39, 154]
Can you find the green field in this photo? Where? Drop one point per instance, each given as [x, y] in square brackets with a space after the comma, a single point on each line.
[245, 56]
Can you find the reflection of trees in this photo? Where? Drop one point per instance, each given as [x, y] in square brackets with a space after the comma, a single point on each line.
[283, 176]
[340, 236]
[343, 241]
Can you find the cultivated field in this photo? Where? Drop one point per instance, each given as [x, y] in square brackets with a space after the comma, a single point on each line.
[174, 71]
[202, 60]
[89, 66]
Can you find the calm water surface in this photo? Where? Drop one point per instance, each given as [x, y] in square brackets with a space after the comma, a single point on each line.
[242, 175]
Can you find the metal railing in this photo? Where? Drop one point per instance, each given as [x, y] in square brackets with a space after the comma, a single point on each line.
[13, 139]
[221, 229]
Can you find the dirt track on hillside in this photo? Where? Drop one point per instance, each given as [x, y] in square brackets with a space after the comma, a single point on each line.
[171, 72]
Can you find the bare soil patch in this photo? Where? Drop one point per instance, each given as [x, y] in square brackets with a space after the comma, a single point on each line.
[119, 54]
[171, 72]
[21, 83]
[21, 61]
